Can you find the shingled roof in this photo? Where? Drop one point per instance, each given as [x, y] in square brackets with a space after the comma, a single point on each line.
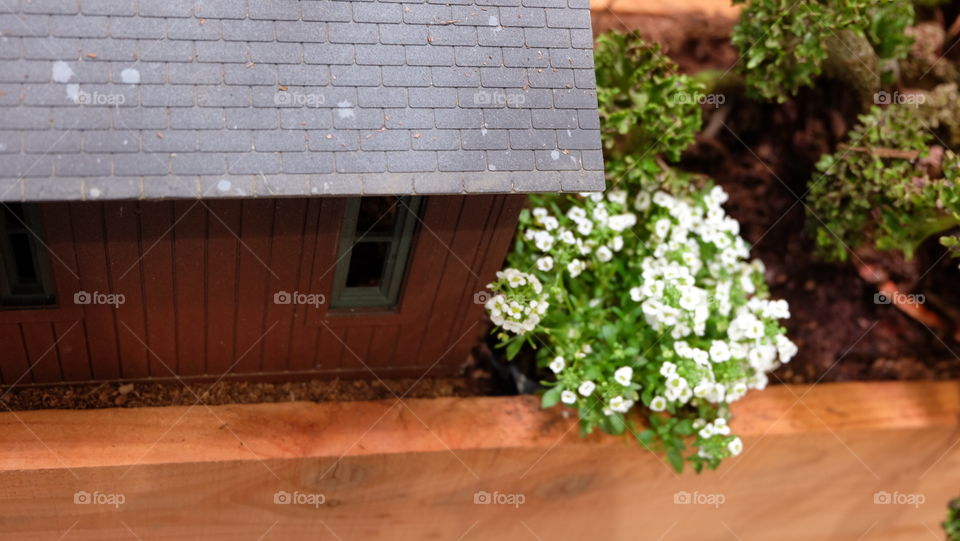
[116, 99]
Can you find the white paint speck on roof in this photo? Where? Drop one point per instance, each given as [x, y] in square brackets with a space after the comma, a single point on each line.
[61, 71]
[130, 76]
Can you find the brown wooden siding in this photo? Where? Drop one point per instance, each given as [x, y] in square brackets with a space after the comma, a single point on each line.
[199, 280]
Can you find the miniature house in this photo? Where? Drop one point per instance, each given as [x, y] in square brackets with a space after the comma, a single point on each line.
[274, 188]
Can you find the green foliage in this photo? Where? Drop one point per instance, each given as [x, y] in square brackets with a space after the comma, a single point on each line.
[642, 299]
[646, 107]
[872, 192]
[952, 525]
[784, 43]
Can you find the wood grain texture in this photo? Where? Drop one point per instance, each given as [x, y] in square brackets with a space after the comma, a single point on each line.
[410, 471]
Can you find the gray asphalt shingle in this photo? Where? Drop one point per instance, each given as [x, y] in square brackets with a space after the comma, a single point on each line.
[289, 97]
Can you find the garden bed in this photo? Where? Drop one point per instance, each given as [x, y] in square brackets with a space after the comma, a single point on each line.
[411, 471]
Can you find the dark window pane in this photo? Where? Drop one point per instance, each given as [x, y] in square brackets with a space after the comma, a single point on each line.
[13, 216]
[366, 264]
[377, 215]
[23, 260]
[26, 280]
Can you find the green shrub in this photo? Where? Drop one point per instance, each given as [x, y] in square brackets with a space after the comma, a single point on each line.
[784, 43]
[873, 191]
[643, 298]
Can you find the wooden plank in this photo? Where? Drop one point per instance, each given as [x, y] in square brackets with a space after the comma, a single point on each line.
[459, 273]
[72, 348]
[189, 253]
[357, 345]
[40, 343]
[284, 277]
[100, 321]
[722, 8]
[223, 223]
[156, 229]
[123, 256]
[256, 231]
[304, 334]
[384, 475]
[14, 365]
[382, 347]
[440, 216]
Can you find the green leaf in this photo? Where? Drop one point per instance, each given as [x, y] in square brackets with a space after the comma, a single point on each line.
[551, 397]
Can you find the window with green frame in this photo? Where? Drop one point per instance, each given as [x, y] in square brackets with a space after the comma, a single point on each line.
[375, 242]
[26, 280]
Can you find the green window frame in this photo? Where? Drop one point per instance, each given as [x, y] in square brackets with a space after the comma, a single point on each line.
[26, 280]
[374, 251]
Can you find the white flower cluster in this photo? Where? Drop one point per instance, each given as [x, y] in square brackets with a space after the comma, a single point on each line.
[594, 236]
[520, 304]
[695, 296]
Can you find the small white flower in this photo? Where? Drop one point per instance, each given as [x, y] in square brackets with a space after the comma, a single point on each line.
[658, 403]
[575, 267]
[567, 237]
[576, 214]
[662, 228]
[617, 196]
[545, 263]
[568, 397]
[735, 446]
[557, 364]
[616, 243]
[584, 227]
[623, 375]
[642, 201]
[540, 212]
[706, 432]
[587, 388]
[635, 294]
[786, 348]
[604, 254]
[620, 404]
[668, 369]
[719, 351]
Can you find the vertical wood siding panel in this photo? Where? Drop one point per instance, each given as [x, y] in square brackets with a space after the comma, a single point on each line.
[430, 255]
[383, 343]
[72, 348]
[88, 234]
[304, 336]
[156, 223]
[329, 348]
[458, 274]
[223, 223]
[284, 262]
[355, 357]
[41, 352]
[256, 226]
[123, 252]
[189, 254]
[14, 364]
[58, 234]
[500, 231]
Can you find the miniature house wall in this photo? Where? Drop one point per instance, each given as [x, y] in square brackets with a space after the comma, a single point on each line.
[182, 182]
[250, 287]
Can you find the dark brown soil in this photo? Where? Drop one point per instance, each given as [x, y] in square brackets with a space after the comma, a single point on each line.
[107, 395]
[763, 155]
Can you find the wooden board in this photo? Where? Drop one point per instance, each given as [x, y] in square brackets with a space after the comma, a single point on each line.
[815, 460]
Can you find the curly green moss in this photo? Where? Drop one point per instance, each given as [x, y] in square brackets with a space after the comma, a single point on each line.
[784, 43]
[875, 191]
[646, 107]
